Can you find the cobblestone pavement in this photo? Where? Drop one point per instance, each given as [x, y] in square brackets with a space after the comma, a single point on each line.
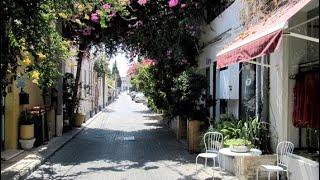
[124, 142]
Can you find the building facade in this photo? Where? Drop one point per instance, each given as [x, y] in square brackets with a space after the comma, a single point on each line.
[93, 89]
[251, 80]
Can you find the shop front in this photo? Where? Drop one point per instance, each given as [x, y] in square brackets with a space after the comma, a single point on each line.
[278, 73]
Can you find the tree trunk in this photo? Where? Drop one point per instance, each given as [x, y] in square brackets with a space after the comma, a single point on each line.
[103, 92]
[75, 98]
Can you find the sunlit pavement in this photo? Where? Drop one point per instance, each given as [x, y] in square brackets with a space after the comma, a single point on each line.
[124, 142]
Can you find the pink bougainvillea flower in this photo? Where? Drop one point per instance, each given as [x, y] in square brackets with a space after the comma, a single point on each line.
[106, 6]
[148, 62]
[169, 52]
[94, 17]
[142, 2]
[86, 31]
[184, 62]
[173, 3]
[183, 5]
[112, 14]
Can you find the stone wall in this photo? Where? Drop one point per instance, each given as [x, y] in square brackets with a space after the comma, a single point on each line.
[250, 165]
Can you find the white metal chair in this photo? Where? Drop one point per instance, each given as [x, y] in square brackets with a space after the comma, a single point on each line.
[284, 152]
[213, 142]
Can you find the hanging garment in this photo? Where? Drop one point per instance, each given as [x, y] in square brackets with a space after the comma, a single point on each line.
[306, 100]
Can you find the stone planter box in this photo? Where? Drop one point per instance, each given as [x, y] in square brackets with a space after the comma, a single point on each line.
[251, 163]
[303, 168]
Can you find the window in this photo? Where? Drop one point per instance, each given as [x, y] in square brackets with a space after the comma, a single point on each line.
[248, 91]
[215, 8]
[208, 82]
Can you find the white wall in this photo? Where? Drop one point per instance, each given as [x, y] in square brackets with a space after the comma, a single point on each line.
[302, 168]
[276, 105]
[292, 52]
[297, 53]
[227, 20]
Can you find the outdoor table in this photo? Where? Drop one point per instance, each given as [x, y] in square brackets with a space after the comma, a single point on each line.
[228, 152]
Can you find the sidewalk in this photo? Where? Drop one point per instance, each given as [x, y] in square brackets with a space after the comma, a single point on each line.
[24, 164]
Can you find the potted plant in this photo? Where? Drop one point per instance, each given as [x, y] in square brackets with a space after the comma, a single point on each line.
[26, 131]
[238, 145]
[79, 119]
[189, 93]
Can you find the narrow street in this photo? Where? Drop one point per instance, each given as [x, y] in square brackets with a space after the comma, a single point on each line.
[123, 142]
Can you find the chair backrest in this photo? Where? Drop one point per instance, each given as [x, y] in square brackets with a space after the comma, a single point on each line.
[284, 152]
[213, 141]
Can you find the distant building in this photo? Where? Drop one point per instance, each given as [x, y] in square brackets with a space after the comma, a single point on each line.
[125, 83]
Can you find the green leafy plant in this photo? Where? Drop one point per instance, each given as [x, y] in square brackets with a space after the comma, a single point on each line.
[250, 130]
[101, 67]
[26, 118]
[188, 91]
[237, 142]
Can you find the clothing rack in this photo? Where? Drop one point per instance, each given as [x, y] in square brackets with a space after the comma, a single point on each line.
[308, 64]
[306, 67]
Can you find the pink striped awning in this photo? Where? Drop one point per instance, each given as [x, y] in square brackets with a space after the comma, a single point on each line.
[260, 39]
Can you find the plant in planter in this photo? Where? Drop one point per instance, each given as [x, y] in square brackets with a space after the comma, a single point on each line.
[188, 90]
[26, 131]
[79, 119]
[238, 145]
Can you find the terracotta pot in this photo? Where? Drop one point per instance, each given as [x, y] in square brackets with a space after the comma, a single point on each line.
[27, 131]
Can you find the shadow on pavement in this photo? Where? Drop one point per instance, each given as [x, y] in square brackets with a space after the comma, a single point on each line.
[101, 150]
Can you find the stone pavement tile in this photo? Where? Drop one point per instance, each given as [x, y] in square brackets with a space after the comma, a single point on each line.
[104, 151]
[21, 167]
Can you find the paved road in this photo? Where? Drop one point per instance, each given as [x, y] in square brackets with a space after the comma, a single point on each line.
[123, 142]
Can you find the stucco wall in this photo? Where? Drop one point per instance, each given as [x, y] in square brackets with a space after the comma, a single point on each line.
[285, 63]
[227, 26]
[277, 91]
[297, 53]
[13, 109]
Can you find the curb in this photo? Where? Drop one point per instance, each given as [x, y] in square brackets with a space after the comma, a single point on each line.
[39, 158]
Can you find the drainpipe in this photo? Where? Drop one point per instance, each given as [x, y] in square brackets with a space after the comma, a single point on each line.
[2, 100]
[103, 90]
[59, 108]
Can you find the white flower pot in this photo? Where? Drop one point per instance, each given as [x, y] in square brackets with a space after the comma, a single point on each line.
[239, 149]
[27, 144]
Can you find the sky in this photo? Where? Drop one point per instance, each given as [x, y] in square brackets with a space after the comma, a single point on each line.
[122, 64]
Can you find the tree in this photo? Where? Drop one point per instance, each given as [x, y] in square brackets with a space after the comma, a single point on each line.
[30, 41]
[132, 26]
[116, 75]
[115, 70]
[101, 67]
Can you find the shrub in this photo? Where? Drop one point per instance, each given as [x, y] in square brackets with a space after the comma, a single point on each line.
[239, 131]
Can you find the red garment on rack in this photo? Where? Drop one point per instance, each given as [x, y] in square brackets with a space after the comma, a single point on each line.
[306, 100]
